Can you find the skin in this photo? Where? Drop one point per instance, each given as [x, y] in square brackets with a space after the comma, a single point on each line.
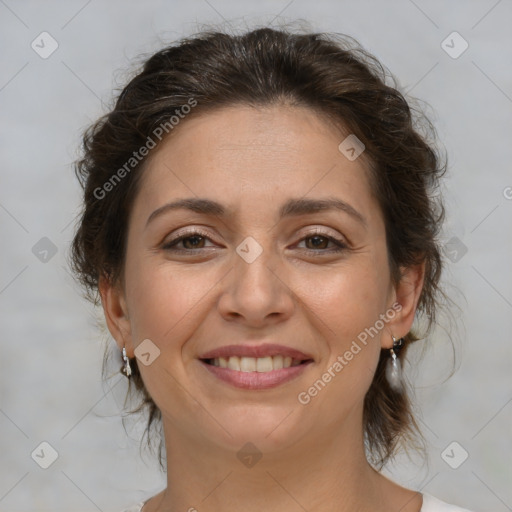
[253, 160]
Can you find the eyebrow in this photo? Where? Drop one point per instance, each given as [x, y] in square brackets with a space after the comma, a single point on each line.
[293, 207]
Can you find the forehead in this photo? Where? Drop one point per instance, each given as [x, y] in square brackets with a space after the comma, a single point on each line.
[241, 155]
[242, 127]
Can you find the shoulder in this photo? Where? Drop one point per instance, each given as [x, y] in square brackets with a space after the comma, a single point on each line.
[134, 508]
[430, 504]
[433, 504]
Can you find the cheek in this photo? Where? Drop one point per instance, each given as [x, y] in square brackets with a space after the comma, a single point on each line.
[159, 298]
[348, 299]
[164, 305]
[347, 306]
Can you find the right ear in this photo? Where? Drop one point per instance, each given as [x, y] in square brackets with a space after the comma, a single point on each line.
[116, 314]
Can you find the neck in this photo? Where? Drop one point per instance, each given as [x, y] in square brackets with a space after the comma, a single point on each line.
[320, 473]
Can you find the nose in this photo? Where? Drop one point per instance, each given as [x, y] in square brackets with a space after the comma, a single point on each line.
[257, 293]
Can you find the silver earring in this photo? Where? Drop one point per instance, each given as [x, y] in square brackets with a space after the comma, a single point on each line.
[394, 367]
[126, 369]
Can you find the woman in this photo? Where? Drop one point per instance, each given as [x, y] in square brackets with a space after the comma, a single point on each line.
[260, 224]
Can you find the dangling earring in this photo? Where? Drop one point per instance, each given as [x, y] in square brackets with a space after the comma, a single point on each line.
[394, 367]
[126, 369]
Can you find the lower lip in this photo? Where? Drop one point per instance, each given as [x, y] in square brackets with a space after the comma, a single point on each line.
[256, 380]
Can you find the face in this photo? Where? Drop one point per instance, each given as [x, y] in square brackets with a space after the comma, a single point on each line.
[247, 272]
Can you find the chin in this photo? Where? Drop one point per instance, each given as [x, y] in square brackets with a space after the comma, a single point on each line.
[267, 430]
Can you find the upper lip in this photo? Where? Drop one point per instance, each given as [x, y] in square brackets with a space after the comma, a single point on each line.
[264, 350]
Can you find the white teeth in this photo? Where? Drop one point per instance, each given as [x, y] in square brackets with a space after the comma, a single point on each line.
[234, 363]
[247, 364]
[255, 364]
[264, 364]
[278, 362]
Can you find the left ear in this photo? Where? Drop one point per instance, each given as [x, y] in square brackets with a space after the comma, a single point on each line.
[407, 294]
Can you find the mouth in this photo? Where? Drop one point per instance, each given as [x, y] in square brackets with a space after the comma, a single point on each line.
[255, 364]
[255, 367]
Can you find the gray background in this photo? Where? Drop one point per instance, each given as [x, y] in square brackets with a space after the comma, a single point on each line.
[51, 347]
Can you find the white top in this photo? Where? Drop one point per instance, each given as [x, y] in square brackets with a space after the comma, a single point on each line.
[430, 504]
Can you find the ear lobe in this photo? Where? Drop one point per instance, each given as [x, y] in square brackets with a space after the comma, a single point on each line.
[407, 293]
[116, 313]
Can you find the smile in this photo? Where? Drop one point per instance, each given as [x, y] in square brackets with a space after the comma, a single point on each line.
[255, 373]
[255, 364]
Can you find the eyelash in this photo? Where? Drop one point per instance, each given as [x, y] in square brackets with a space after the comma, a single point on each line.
[170, 246]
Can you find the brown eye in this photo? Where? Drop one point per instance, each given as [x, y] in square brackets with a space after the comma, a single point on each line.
[195, 244]
[319, 243]
[190, 242]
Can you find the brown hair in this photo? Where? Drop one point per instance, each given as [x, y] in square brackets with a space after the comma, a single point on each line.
[334, 76]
